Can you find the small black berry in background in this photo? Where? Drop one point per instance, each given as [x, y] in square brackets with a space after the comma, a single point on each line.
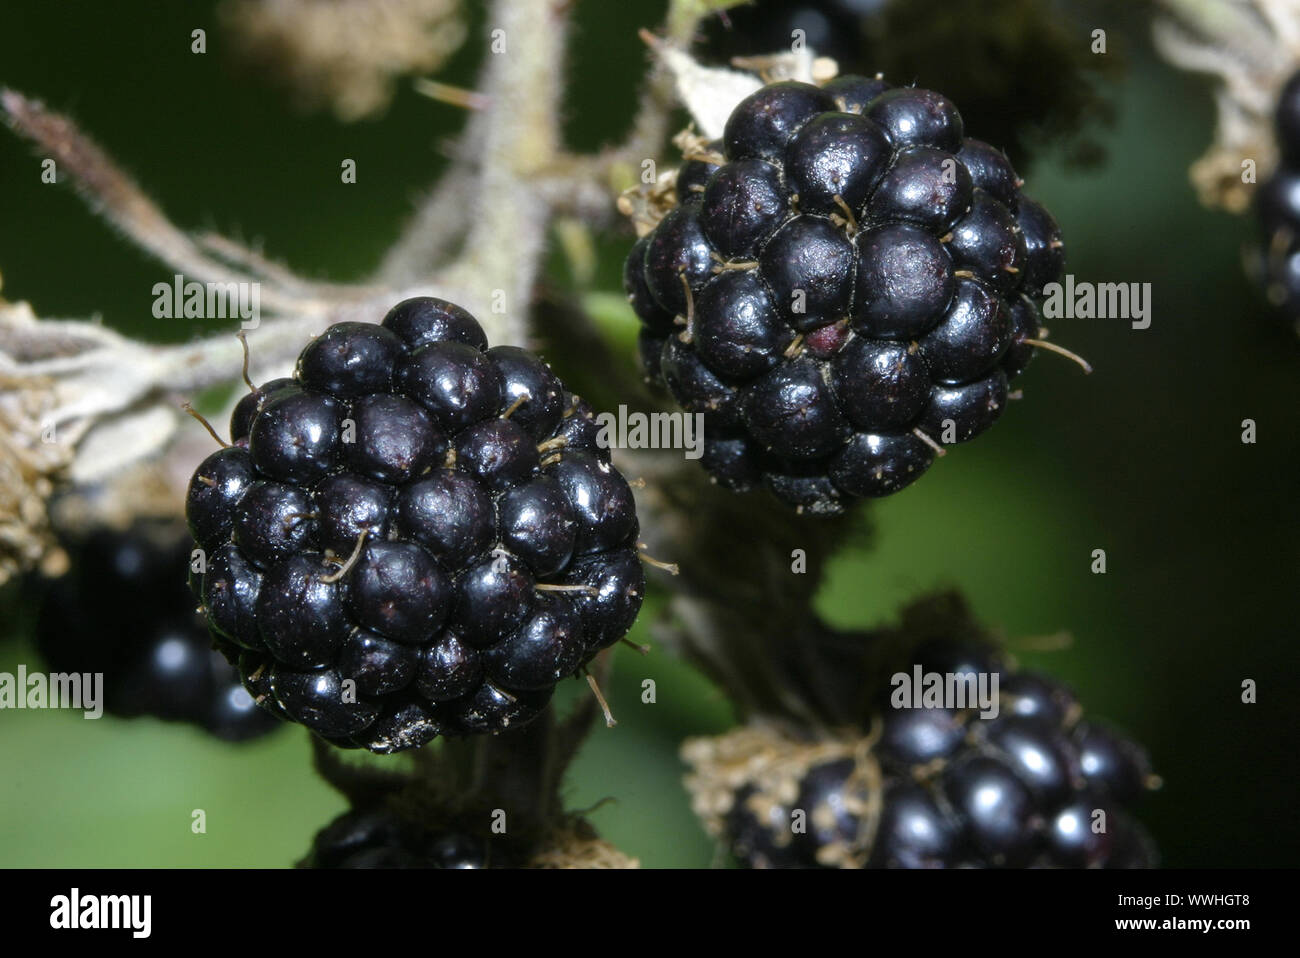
[417, 534]
[843, 290]
[1035, 785]
[123, 610]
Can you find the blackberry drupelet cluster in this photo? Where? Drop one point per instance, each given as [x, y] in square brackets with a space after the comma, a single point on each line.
[1037, 786]
[1278, 208]
[846, 283]
[415, 535]
[378, 838]
[123, 610]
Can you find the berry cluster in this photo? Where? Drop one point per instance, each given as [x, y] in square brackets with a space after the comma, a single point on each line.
[123, 610]
[944, 788]
[414, 535]
[846, 283]
[1278, 206]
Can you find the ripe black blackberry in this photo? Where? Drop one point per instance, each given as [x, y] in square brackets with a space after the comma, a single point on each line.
[1278, 210]
[415, 535]
[847, 284]
[1037, 786]
[123, 610]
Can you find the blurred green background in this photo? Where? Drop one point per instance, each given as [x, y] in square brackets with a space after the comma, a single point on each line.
[1142, 459]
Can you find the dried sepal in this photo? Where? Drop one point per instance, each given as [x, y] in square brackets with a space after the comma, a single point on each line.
[575, 844]
[763, 765]
[1252, 47]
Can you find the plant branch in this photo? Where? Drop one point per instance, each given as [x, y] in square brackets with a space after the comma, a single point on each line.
[519, 137]
[114, 195]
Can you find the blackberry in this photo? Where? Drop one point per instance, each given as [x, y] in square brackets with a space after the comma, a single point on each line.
[123, 610]
[849, 288]
[932, 787]
[1278, 211]
[415, 535]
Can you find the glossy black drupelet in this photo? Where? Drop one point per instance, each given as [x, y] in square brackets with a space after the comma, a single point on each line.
[856, 283]
[123, 610]
[416, 535]
[1277, 207]
[1035, 786]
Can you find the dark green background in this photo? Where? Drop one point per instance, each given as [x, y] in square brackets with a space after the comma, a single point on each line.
[1143, 458]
